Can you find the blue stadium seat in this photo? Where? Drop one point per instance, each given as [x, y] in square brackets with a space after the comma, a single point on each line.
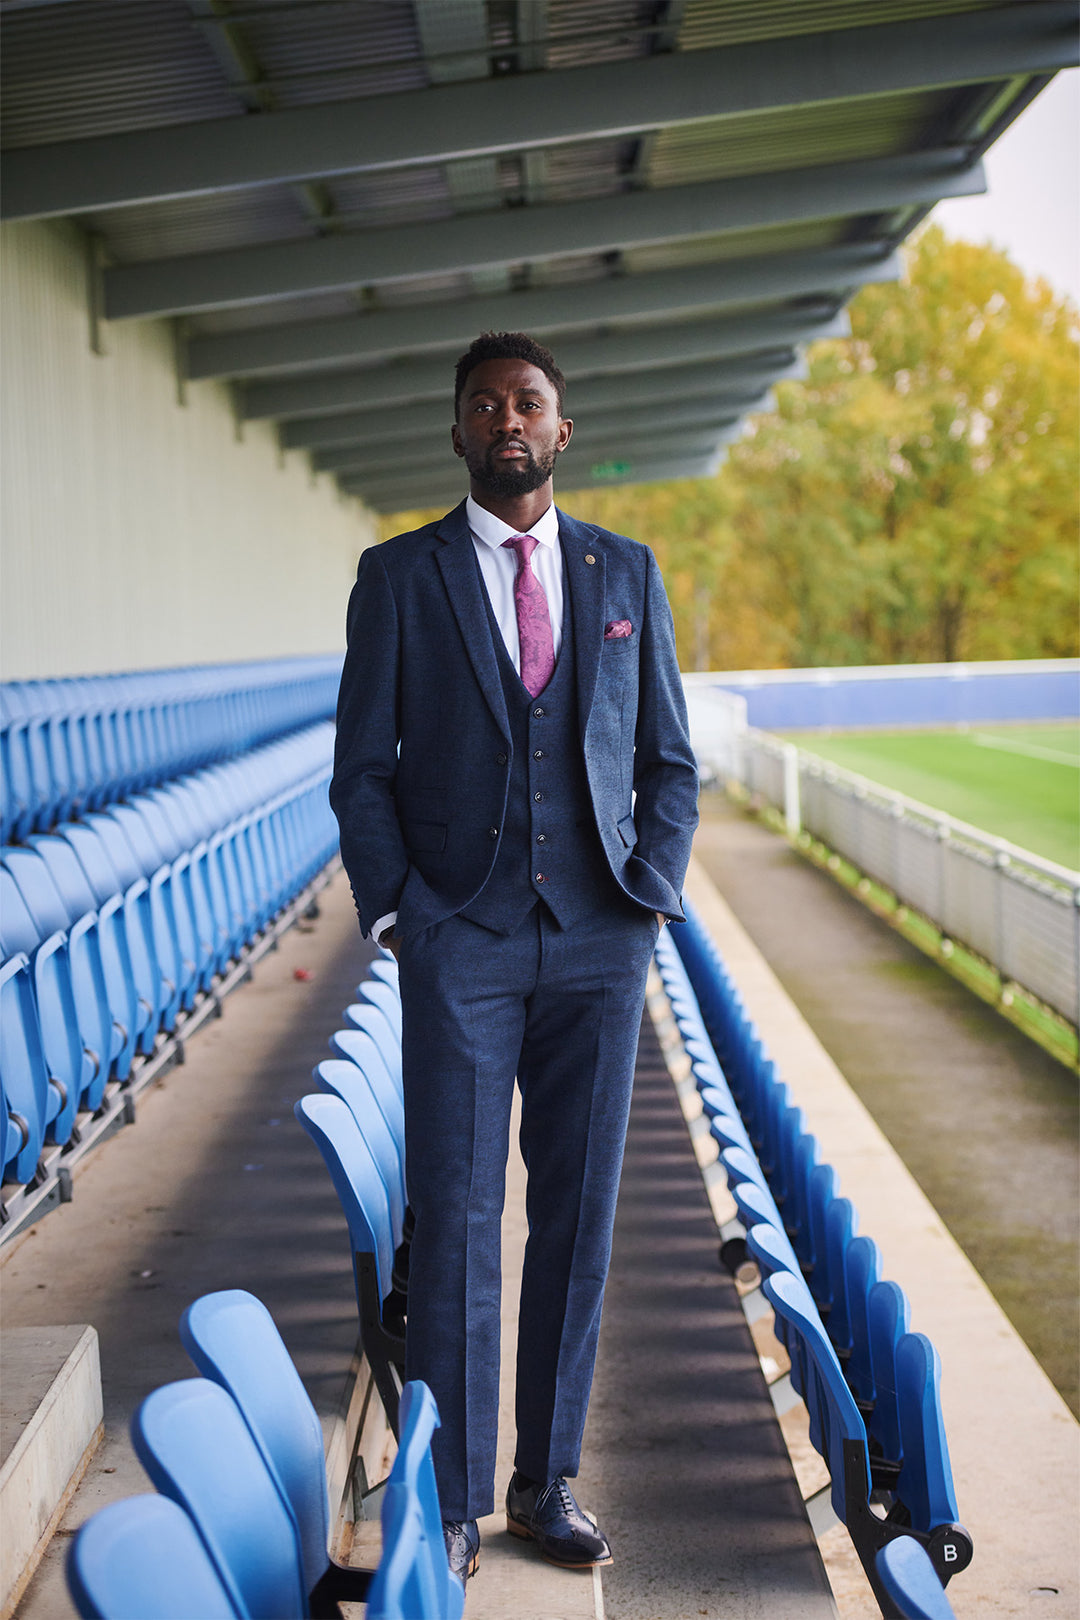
[359, 1186]
[384, 997]
[142, 1559]
[863, 1264]
[413, 1580]
[910, 1580]
[193, 1442]
[343, 1079]
[51, 1008]
[80, 900]
[356, 1046]
[232, 1339]
[889, 1318]
[30, 1102]
[364, 1016]
[107, 883]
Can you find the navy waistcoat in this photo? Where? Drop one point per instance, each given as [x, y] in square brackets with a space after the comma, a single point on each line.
[549, 848]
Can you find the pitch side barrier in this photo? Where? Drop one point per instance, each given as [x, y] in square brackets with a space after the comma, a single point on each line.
[121, 932]
[75, 745]
[870, 1385]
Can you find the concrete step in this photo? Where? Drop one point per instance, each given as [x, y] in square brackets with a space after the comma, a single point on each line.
[50, 1426]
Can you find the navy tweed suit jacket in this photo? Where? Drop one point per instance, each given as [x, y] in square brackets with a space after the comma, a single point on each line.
[422, 764]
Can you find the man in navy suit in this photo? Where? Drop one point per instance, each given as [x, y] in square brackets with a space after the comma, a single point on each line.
[517, 796]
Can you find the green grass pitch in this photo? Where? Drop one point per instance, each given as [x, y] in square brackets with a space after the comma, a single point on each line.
[1020, 782]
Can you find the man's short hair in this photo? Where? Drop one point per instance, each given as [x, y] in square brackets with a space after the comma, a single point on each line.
[507, 346]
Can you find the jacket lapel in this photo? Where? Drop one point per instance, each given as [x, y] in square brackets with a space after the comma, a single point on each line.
[457, 562]
[586, 587]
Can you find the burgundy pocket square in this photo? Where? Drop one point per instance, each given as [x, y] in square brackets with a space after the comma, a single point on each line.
[617, 629]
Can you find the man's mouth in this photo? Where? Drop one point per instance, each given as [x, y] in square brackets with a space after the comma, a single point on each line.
[510, 450]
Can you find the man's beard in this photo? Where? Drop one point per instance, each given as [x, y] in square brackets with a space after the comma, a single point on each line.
[507, 479]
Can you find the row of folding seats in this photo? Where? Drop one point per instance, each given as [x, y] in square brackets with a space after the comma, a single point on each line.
[74, 745]
[241, 1525]
[870, 1385]
[111, 927]
[357, 1121]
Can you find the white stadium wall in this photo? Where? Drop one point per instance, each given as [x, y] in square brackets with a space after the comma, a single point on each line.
[140, 531]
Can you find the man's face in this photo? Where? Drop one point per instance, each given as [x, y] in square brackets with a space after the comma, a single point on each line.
[509, 430]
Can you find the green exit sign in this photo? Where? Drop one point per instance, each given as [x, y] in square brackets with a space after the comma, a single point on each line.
[611, 469]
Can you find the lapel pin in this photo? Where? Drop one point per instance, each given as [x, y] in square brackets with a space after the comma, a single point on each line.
[589, 558]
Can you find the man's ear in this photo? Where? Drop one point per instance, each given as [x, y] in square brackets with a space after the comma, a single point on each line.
[566, 429]
[455, 440]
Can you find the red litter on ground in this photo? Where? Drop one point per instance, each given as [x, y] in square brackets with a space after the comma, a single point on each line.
[303, 974]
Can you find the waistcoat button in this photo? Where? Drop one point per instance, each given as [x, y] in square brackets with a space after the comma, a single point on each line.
[541, 838]
[538, 753]
[539, 877]
[538, 796]
[493, 832]
[538, 713]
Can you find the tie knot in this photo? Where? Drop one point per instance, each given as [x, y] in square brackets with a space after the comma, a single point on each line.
[524, 545]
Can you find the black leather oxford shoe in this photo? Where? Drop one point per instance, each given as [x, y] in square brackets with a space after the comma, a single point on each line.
[462, 1546]
[548, 1515]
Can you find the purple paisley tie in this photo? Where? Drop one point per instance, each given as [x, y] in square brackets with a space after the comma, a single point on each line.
[534, 620]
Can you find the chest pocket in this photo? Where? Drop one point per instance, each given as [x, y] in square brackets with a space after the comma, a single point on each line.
[429, 836]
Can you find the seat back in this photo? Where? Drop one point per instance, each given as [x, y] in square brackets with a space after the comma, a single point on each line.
[330, 1124]
[910, 1579]
[345, 1080]
[356, 1046]
[384, 996]
[141, 1559]
[232, 1339]
[193, 1442]
[23, 1075]
[413, 1577]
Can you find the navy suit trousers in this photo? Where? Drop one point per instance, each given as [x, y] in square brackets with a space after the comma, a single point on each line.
[560, 1011]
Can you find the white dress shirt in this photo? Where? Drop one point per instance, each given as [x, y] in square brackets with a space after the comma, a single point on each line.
[499, 566]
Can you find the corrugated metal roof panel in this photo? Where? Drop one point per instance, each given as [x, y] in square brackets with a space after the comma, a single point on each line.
[90, 67]
[329, 50]
[706, 24]
[794, 138]
[202, 224]
[737, 245]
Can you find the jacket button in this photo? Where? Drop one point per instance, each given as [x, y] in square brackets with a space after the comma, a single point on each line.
[493, 832]
[539, 877]
[500, 759]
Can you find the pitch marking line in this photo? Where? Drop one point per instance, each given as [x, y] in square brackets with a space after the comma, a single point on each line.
[981, 740]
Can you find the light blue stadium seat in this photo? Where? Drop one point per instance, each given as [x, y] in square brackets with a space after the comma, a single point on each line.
[80, 900]
[359, 1186]
[343, 1079]
[158, 936]
[142, 1559]
[232, 1339]
[193, 1442]
[51, 1008]
[356, 1046]
[107, 883]
[365, 1016]
[174, 915]
[386, 998]
[413, 1580]
[907, 1575]
[29, 1100]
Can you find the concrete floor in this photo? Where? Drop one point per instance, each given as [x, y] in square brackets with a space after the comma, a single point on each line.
[982, 1117]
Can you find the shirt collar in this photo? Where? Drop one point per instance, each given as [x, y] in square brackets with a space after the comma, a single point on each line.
[493, 531]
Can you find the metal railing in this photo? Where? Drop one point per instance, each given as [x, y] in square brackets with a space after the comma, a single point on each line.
[1019, 912]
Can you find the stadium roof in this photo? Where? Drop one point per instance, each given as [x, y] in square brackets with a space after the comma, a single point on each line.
[330, 198]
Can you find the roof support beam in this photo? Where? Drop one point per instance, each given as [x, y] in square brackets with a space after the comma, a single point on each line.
[737, 385]
[396, 495]
[662, 294]
[433, 428]
[200, 281]
[602, 437]
[453, 121]
[730, 335]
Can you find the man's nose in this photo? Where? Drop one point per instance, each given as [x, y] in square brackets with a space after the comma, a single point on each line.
[507, 418]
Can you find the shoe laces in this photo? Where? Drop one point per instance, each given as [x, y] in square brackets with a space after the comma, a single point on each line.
[560, 1489]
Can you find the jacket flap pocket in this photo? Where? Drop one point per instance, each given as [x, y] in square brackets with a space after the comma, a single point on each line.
[627, 831]
[426, 835]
